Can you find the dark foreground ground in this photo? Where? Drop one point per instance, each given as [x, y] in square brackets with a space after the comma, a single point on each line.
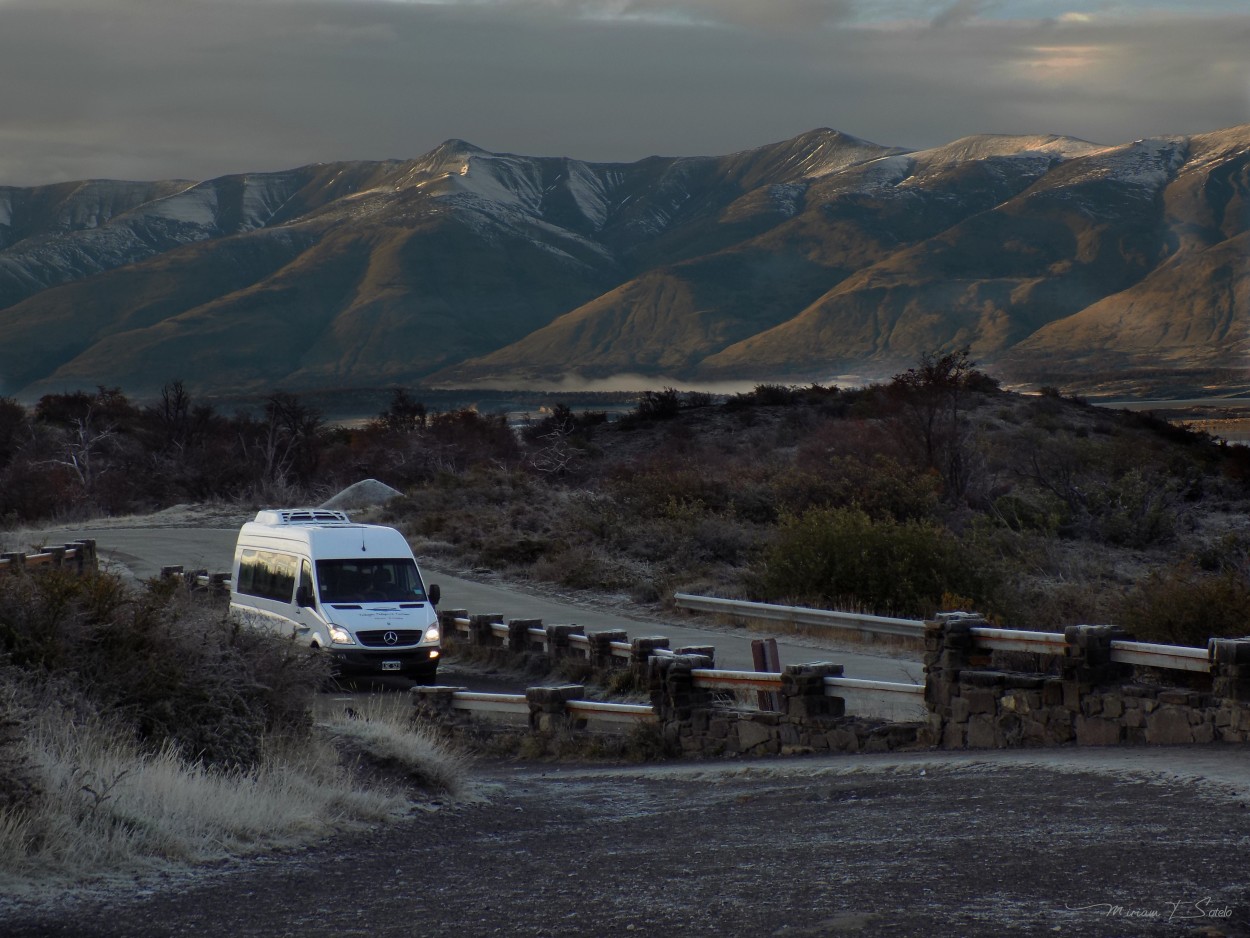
[1085, 843]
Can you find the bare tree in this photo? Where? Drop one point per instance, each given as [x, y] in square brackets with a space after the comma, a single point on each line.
[933, 399]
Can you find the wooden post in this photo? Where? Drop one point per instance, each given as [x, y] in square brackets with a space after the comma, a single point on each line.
[766, 658]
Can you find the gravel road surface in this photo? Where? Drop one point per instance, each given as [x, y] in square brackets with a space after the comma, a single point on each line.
[1093, 843]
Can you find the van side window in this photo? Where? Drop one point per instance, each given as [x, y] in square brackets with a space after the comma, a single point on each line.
[267, 574]
[306, 579]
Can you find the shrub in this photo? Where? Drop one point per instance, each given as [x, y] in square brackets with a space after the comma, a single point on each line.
[175, 671]
[1184, 606]
[841, 555]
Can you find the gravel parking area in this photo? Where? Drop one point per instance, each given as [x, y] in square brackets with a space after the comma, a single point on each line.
[1072, 842]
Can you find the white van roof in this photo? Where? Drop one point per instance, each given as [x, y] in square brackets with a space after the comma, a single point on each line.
[278, 516]
[324, 534]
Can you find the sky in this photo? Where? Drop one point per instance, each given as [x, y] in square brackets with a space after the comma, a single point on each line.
[193, 89]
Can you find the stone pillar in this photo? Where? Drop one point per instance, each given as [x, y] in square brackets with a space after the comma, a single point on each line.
[84, 559]
[435, 703]
[447, 624]
[703, 651]
[949, 650]
[558, 645]
[1087, 661]
[1230, 668]
[16, 561]
[601, 657]
[673, 693]
[217, 585]
[548, 712]
[519, 634]
[171, 571]
[640, 652]
[91, 560]
[58, 556]
[481, 635]
[803, 691]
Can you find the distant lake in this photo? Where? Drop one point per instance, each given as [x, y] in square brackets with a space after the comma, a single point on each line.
[1226, 418]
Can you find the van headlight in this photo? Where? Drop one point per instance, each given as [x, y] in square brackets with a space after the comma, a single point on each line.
[341, 636]
[432, 634]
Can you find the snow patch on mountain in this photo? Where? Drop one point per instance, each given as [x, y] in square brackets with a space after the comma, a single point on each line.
[882, 173]
[504, 179]
[837, 153]
[589, 191]
[1150, 164]
[788, 196]
[986, 146]
[263, 196]
[196, 205]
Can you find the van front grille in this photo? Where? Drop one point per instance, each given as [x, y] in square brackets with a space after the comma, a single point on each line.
[377, 639]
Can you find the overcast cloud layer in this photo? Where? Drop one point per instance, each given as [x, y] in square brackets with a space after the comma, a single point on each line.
[145, 89]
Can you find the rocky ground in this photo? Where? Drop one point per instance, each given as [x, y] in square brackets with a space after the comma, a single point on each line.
[1083, 843]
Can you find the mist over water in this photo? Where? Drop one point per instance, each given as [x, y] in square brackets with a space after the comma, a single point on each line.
[629, 383]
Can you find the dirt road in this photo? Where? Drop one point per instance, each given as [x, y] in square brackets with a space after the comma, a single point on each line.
[1073, 842]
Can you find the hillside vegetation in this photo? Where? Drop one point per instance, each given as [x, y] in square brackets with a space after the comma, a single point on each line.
[936, 490]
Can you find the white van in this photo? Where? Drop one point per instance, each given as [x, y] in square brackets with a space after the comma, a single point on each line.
[353, 590]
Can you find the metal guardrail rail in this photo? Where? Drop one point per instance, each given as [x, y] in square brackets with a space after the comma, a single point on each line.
[836, 686]
[478, 702]
[800, 615]
[1176, 657]
[1140, 654]
[1052, 643]
[612, 712]
[715, 679]
[517, 705]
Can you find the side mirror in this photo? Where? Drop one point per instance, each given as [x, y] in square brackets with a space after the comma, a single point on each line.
[435, 594]
[303, 597]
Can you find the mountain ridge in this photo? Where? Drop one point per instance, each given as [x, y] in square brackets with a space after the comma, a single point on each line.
[824, 254]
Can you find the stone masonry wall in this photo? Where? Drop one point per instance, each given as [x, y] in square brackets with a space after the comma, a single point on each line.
[696, 721]
[977, 701]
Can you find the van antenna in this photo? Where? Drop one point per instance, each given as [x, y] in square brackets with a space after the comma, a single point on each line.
[363, 549]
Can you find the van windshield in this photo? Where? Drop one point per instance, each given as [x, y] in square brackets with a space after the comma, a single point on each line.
[366, 581]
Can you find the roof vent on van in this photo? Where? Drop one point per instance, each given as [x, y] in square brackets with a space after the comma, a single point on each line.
[302, 516]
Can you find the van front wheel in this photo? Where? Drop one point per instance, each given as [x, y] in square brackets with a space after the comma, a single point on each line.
[425, 675]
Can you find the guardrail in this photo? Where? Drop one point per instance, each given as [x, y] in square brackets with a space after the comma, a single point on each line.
[1141, 654]
[79, 556]
[538, 706]
[802, 616]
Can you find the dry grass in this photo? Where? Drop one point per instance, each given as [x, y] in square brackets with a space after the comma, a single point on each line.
[109, 807]
[386, 741]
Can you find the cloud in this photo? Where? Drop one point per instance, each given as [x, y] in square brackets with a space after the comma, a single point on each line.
[962, 11]
[196, 88]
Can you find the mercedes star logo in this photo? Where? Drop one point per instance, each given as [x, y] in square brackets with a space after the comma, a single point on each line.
[390, 638]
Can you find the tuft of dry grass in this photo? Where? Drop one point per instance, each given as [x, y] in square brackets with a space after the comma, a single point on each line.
[385, 739]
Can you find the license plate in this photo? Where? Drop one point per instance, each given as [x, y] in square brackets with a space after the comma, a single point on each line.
[391, 665]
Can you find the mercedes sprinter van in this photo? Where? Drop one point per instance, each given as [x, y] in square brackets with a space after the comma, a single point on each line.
[352, 590]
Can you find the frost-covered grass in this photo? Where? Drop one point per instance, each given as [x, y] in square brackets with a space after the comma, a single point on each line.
[107, 806]
[386, 740]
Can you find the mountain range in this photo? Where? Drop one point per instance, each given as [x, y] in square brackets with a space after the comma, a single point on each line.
[1055, 260]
